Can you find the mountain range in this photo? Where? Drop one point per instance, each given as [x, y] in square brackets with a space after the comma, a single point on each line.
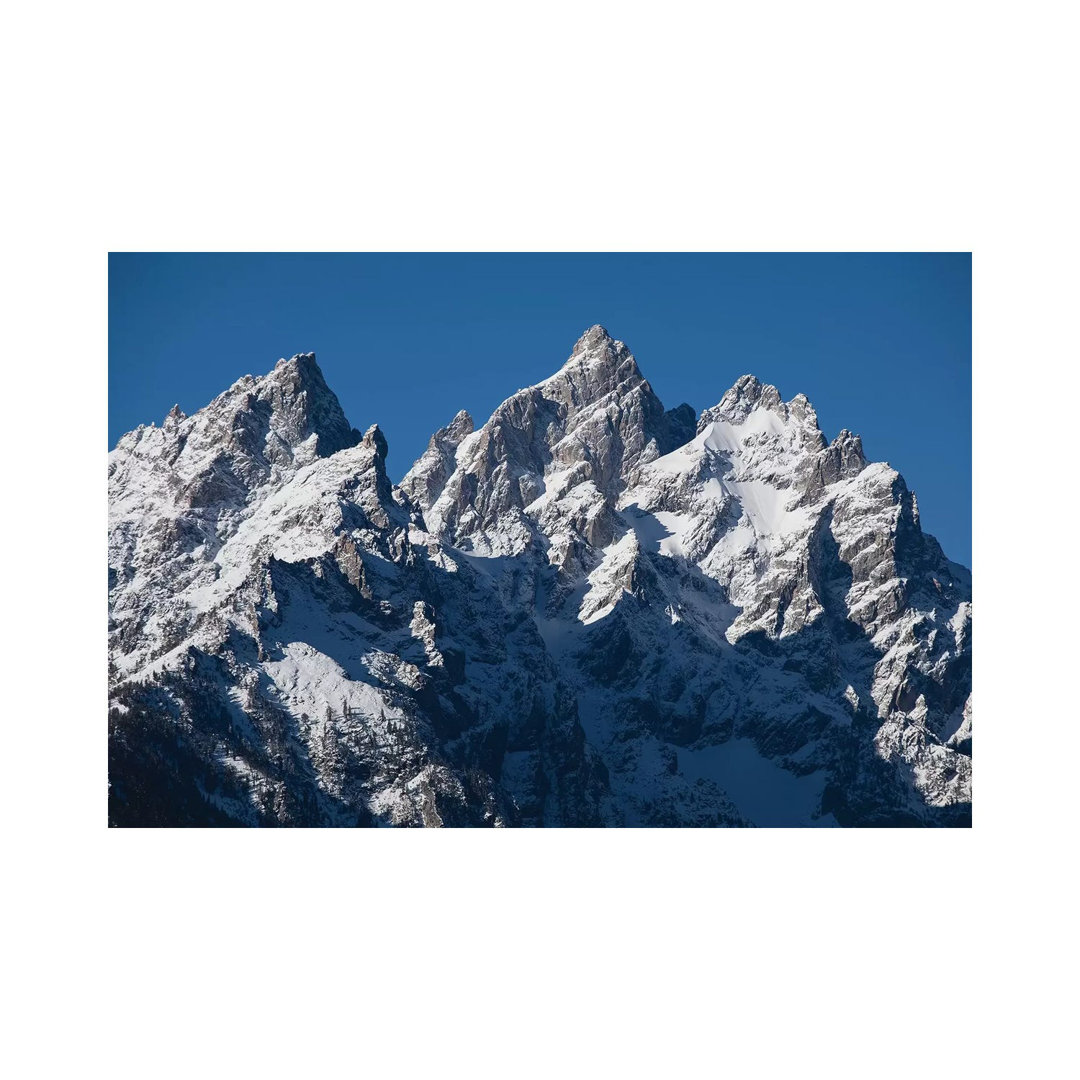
[588, 611]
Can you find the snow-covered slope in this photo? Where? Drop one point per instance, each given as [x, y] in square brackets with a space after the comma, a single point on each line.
[589, 610]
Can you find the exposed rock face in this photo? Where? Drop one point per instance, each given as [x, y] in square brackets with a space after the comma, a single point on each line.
[590, 423]
[425, 481]
[587, 611]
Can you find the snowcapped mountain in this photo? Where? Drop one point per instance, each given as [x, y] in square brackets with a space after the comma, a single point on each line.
[587, 611]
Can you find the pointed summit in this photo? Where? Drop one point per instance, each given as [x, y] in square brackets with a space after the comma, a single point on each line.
[304, 360]
[591, 423]
[747, 394]
[598, 366]
[260, 428]
[594, 338]
[847, 449]
[429, 473]
[596, 345]
[750, 396]
[376, 440]
[303, 405]
[173, 420]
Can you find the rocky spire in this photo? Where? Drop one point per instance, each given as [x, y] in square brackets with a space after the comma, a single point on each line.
[735, 406]
[595, 420]
[428, 476]
[173, 419]
[376, 440]
[597, 366]
[303, 405]
[260, 427]
[596, 337]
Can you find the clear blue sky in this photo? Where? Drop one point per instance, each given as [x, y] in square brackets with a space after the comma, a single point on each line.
[881, 344]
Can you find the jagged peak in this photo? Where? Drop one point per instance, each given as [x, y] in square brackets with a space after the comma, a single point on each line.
[849, 439]
[749, 389]
[292, 401]
[596, 337]
[850, 449]
[300, 373]
[304, 404]
[375, 440]
[596, 347]
[597, 366]
[747, 394]
[596, 415]
[173, 419]
[429, 473]
[298, 360]
[750, 393]
[458, 428]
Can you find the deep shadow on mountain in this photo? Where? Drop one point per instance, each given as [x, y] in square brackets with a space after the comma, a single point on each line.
[813, 666]
[163, 773]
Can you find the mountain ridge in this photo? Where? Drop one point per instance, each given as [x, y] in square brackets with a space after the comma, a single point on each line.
[588, 610]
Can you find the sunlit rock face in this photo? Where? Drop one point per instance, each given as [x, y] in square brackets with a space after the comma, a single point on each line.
[590, 610]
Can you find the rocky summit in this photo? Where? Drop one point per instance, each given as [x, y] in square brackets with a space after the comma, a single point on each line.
[589, 611]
